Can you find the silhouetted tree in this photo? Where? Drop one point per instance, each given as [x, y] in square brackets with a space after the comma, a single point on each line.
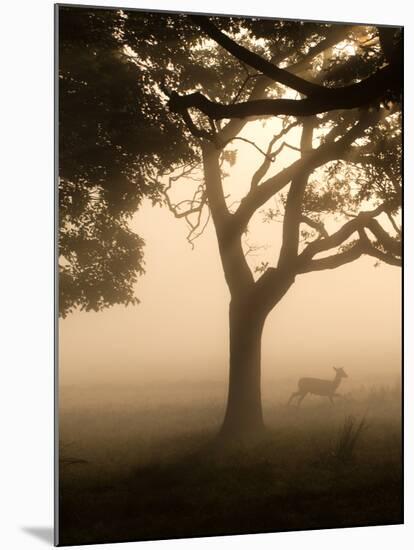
[147, 99]
[113, 135]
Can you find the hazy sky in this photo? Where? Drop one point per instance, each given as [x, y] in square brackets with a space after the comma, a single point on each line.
[349, 317]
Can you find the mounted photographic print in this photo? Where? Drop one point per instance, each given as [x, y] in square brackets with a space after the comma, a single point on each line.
[229, 291]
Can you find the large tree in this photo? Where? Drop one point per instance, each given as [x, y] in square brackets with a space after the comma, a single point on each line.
[149, 99]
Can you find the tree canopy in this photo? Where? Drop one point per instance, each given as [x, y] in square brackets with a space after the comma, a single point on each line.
[141, 97]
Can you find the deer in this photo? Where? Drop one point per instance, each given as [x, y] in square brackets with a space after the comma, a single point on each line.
[316, 386]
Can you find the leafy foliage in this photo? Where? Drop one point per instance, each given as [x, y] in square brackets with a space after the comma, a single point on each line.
[118, 140]
[114, 134]
[98, 254]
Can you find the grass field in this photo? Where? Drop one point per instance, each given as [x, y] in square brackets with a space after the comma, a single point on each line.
[136, 464]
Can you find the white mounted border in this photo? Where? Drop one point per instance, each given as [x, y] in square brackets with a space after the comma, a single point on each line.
[26, 284]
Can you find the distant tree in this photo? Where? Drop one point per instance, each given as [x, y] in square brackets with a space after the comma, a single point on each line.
[155, 98]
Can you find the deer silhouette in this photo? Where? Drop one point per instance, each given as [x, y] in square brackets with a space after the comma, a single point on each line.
[317, 386]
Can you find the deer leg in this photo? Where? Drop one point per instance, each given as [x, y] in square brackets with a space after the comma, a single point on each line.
[294, 394]
[302, 397]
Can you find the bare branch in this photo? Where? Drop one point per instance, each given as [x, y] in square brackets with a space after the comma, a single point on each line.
[252, 249]
[264, 167]
[333, 261]
[336, 260]
[293, 213]
[244, 84]
[364, 220]
[265, 154]
[326, 152]
[194, 206]
[340, 236]
[194, 234]
[270, 156]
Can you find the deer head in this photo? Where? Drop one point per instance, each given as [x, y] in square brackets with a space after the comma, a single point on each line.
[340, 373]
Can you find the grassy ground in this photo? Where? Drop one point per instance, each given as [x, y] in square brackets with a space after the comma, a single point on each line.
[139, 467]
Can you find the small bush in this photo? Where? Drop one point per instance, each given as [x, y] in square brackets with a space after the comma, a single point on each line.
[347, 438]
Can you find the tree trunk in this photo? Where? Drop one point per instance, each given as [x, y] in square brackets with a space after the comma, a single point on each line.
[244, 418]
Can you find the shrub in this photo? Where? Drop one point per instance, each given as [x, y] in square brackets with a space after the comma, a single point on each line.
[348, 436]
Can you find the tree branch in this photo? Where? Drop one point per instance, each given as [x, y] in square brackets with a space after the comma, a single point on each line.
[335, 35]
[236, 270]
[364, 220]
[336, 239]
[270, 156]
[334, 261]
[235, 125]
[390, 244]
[307, 163]
[293, 214]
[384, 256]
[393, 223]
[267, 154]
[264, 167]
[347, 97]
[317, 225]
[195, 131]
[195, 205]
[342, 258]
[244, 84]
[194, 234]
[255, 61]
